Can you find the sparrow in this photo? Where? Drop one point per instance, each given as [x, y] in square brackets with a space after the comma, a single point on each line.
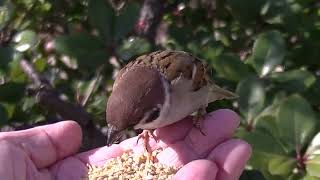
[159, 89]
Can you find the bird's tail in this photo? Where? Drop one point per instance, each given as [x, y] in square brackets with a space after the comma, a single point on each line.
[218, 93]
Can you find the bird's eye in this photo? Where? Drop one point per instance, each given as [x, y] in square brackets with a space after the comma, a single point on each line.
[153, 115]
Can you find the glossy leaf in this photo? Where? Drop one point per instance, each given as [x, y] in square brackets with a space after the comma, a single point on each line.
[125, 21]
[3, 115]
[281, 165]
[6, 55]
[6, 12]
[294, 80]
[268, 51]
[313, 166]
[308, 177]
[267, 123]
[246, 11]
[251, 175]
[25, 40]
[89, 50]
[314, 147]
[133, 47]
[11, 92]
[251, 97]
[10, 109]
[40, 64]
[16, 73]
[265, 147]
[230, 67]
[28, 103]
[270, 146]
[101, 16]
[296, 121]
[276, 12]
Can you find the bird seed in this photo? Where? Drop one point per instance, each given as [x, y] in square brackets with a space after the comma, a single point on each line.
[132, 166]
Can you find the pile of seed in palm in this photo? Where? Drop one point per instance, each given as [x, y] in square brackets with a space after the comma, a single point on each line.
[132, 166]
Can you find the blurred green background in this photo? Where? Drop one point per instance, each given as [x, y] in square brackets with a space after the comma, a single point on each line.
[58, 59]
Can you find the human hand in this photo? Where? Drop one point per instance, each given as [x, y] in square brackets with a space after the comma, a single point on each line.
[46, 152]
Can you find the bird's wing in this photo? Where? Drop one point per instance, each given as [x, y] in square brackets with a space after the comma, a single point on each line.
[173, 65]
[218, 93]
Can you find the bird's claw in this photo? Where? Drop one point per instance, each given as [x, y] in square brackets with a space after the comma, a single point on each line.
[146, 134]
[198, 120]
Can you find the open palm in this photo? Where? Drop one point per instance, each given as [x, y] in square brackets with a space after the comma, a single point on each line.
[48, 152]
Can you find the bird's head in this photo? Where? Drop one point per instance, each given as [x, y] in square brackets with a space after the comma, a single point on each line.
[137, 97]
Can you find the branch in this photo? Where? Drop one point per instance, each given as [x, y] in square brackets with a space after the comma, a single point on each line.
[49, 99]
[150, 17]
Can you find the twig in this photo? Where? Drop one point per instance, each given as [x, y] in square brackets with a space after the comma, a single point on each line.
[93, 84]
[49, 99]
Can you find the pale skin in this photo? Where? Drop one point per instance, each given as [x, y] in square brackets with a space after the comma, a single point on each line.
[49, 152]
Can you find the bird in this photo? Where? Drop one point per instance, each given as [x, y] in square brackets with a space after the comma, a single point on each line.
[158, 89]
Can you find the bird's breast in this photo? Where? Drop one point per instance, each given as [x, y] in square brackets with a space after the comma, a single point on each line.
[182, 101]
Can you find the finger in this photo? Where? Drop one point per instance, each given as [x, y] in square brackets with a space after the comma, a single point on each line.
[199, 170]
[218, 126]
[15, 161]
[175, 132]
[231, 158]
[70, 168]
[100, 155]
[46, 144]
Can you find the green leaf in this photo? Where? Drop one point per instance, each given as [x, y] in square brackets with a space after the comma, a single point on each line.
[246, 11]
[268, 52]
[6, 12]
[270, 145]
[25, 40]
[10, 109]
[28, 103]
[6, 55]
[125, 21]
[111, 26]
[133, 47]
[267, 123]
[265, 147]
[16, 73]
[276, 12]
[101, 16]
[89, 51]
[314, 147]
[251, 175]
[281, 165]
[251, 97]
[40, 64]
[3, 115]
[313, 166]
[212, 52]
[230, 67]
[296, 121]
[312, 93]
[308, 177]
[11, 92]
[294, 80]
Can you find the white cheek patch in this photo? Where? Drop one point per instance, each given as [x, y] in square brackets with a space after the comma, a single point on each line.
[194, 71]
[166, 104]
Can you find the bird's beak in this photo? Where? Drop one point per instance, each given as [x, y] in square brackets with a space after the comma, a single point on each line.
[113, 135]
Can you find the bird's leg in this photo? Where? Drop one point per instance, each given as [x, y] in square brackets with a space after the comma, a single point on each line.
[146, 134]
[198, 119]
